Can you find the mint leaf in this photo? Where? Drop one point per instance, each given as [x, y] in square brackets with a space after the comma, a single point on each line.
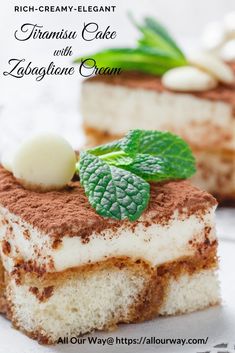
[152, 168]
[113, 146]
[113, 192]
[155, 35]
[117, 158]
[161, 36]
[111, 153]
[155, 143]
[171, 157]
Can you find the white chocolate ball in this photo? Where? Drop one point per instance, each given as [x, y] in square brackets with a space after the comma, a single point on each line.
[212, 65]
[188, 78]
[46, 161]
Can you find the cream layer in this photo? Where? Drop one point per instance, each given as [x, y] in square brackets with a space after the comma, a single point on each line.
[153, 242]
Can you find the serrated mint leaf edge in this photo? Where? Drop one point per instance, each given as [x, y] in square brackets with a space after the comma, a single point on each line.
[131, 145]
[100, 150]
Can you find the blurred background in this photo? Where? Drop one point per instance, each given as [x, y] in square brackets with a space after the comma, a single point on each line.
[28, 106]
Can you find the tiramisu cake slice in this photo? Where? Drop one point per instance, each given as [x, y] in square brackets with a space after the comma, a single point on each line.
[196, 101]
[69, 270]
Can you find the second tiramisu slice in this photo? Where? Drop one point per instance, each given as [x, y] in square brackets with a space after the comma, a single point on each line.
[159, 88]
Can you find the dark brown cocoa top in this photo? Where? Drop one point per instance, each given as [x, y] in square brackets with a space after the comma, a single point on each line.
[141, 80]
[68, 213]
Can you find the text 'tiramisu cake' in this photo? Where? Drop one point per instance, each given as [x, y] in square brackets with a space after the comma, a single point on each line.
[68, 270]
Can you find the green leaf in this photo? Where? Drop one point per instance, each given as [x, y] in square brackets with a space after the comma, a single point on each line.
[117, 158]
[112, 153]
[149, 60]
[162, 36]
[156, 169]
[151, 39]
[150, 168]
[113, 192]
[155, 35]
[171, 157]
[113, 146]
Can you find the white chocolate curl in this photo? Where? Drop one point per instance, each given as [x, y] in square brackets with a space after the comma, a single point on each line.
[227, 52]
[214, 36]
[212, 65]
[45, 162]
[229, 25]
[188, 78]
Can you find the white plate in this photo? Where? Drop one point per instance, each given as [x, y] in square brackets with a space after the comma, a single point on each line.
[218, 324]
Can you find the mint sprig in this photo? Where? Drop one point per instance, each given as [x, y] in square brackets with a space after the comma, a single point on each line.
[155, 52]
[115, 176]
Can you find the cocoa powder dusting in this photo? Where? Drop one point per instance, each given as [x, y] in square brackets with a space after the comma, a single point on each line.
[26, 234]
[42, 295]
[68, 212]
[6, 247]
